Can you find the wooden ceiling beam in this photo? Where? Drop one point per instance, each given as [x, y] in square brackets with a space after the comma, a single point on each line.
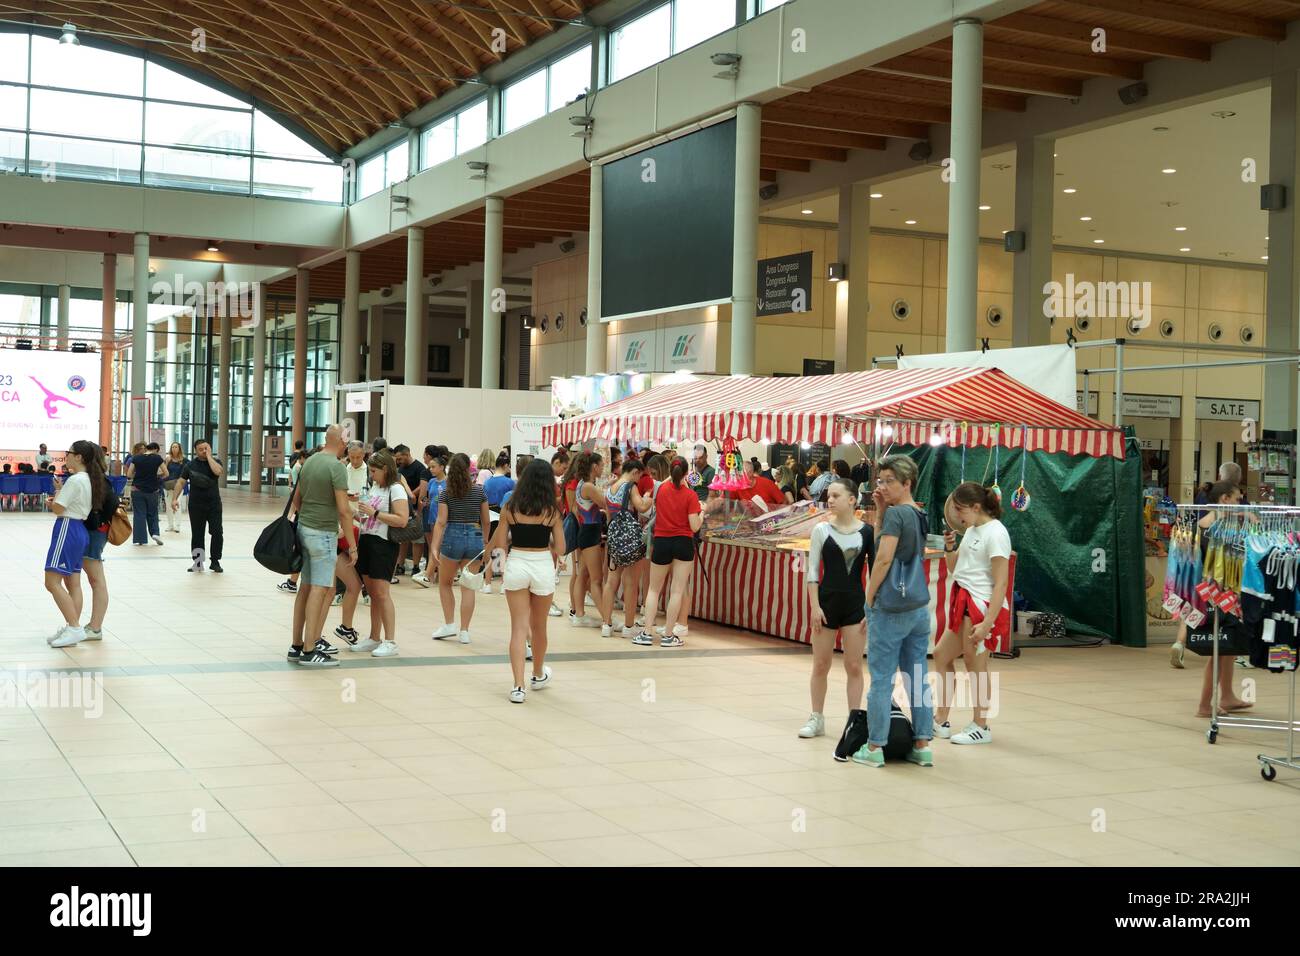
[940, 94]
[784, 112]
[820, 137]
[784, 162]
[1185, 15]
[995, 77]
[1020, 55]
[875, 108]
[1031, 24]
[831, 154]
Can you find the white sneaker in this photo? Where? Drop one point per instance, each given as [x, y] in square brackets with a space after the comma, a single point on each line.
[157, 539]
[816, 727]
[606, 630]
[447, 630]
[363, 646]
[629, 633]
[386, 649]
[424, 562]
[555, 611]
[943, 731]
[408, 569]
[421, 579]
[69, 636]
[973, 734]
[486, 588]
[94, 635]
[544, 681]
[640, 620]
[681, 630]
[584, 621]
[517, 695]
[464, 637]
[528, 650]
[338, 600]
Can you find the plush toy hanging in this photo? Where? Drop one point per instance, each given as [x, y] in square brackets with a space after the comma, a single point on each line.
[1020, 499]
[729, 476]
[997, 460]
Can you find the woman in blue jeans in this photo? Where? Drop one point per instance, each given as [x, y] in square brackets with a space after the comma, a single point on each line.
[147, 472]
[458, 536]
[898, 615]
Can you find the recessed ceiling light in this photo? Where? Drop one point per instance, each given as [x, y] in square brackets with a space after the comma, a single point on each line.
[877, 195]
[1099, 241]
[909, 222]
[1223, 114]
[1180, 228]
[1185, 249]
[1053, 156]
[1263, 257]
[1005, 231]
[1085, 219]
[1266, 238]
[1169, 170]
[212, 246]
[806, 212]
[1069, 190]
[985, 208]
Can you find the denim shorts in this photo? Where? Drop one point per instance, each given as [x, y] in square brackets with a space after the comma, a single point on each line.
[95, 546]
[461, 541]
[319, 552]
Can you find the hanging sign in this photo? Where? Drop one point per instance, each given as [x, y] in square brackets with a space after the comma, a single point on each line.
[785, 284]
[1227, 409]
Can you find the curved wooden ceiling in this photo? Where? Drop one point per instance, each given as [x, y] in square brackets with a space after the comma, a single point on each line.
[342, 69]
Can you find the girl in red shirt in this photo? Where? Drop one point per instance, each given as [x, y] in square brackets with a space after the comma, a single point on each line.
[677, 519]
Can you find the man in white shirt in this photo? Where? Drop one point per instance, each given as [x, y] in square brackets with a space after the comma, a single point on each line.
[43, 458]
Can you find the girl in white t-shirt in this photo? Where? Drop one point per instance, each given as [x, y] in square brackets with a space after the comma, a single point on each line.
[979, 613]
[386, 505]
[83, 491]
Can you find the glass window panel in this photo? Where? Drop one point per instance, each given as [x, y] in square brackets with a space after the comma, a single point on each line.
[13, 151]
[169, 124]
[219, 172]
[639, 44]
[321, 182]
[570, 76]
[165, 84]
[697, 20]
[370, 176]
[438, 143]
[13, 107]
[471, 127]
[399, 162]
[80, 114]
[85, 68]
[766, 5]
[272, 139]
[13, 57]
[524, 101]
[86, 159]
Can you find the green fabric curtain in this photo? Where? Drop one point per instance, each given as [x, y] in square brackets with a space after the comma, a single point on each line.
[1079, 546]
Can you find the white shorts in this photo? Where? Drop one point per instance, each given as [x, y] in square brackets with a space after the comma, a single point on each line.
[533, 570]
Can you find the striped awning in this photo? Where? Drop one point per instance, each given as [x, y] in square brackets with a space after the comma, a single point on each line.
[979, 407]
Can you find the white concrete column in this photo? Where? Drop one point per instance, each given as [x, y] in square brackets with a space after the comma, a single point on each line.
[301, 304]
[596, 358]
[107, 333]
[494, 304]
[1032, 268]
[140, 318]
[223, 390]
[350, 359]
[170, 402]
[258, 415]
[853, 239]
[374, 363]
[964, 188]
[416, 365]
[65, 315]
[474, 298]
[744, 251]
[1283, 282]
[44, 339]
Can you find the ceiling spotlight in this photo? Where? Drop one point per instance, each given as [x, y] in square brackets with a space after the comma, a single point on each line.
[1085, 219]
[1069, 190]
[806, 212]
[985, 208]
[1099, 241]
[877, 195]
[909, 222]
[399, 201]
[1001, 167]
[479, 169]
[769, 191]
[1180, 228]
[69, 35]
[585, 123]
[1169, 170]
[1263, 257]
[729, 60]
[1133, 93]
[530, 321]
[1185, 249]
[920, 151]
[212, 246]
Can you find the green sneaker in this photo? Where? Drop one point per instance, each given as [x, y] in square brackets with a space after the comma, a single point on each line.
[922, 758]
[869, 758]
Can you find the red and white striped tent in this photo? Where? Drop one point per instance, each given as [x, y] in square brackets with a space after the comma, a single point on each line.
[978, 407]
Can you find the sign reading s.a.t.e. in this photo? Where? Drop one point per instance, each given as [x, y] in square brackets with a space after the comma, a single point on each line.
[785, 284]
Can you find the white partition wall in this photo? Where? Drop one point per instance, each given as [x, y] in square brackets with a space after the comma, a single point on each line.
[463, 419]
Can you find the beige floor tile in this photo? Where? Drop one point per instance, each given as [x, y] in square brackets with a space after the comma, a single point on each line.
[486, 856]
[630, 850]
[340, 844]
[383, 812]
[383, 788]
[650, 819]
[298, 819]
[237, 851]
[62, 810]
[916, 823]
[170, 828]
[788, 858]
[80, 857]
[985, 849]
[447, 834]
[909, 853]
[386, 860]
[702, 843]
[816, 832]
[544, 827]
[271, 796]
[1081, 840]
[163, 803]
[152, 781]
[69, 835]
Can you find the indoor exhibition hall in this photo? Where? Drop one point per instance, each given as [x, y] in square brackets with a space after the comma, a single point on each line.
[750, 433]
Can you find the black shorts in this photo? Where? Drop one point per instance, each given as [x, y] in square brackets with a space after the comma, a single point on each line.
[376, 557]
[842, 608]
[668, 550]
[589, 535]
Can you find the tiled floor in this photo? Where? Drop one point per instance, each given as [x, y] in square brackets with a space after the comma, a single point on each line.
[212, 750]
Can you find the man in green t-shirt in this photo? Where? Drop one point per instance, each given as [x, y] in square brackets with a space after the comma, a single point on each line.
[320, 501]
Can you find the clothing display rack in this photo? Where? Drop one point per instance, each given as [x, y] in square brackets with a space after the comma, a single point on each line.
[1284, 521]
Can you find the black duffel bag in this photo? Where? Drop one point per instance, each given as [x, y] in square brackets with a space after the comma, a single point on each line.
[1234, 636]
[277, 547]
[855, 735]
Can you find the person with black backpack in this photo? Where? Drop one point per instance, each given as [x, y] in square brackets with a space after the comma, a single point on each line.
[898, 613]
[624, 546]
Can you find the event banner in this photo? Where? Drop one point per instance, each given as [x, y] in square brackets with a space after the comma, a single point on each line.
[48, 397]
[1047, 369]
[785, 284]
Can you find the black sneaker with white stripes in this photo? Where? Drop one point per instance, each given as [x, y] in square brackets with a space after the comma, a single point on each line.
[325, 647]
[294, 655]
[349, 634]
[317, 659]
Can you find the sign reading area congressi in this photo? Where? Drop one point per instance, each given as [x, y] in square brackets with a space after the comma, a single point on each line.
[785, 284]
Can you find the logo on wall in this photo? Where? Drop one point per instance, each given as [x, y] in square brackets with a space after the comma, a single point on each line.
[52, 400]
[682, 348]
[634, 350]
[77, 383]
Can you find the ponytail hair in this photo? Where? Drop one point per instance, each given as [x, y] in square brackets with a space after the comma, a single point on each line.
[678, 471]
[971, 493]
[92, 459]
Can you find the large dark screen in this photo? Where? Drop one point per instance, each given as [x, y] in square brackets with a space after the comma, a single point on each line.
[668, 225]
